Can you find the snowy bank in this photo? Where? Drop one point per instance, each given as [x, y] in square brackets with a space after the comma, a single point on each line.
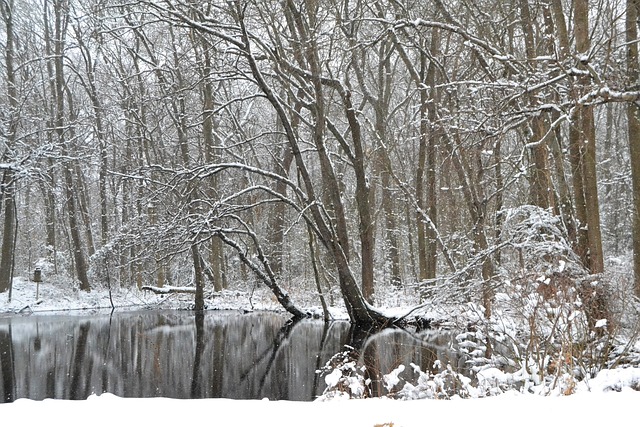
[57, 296]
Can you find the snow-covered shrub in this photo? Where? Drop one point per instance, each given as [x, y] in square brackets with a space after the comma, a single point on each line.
[536, 241]
[550, 323]
[441, 385]
[346, 379]
[344, 376]
[550, 318]
[444, 383]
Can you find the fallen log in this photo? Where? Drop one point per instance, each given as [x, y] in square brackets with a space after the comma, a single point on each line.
[170, 290]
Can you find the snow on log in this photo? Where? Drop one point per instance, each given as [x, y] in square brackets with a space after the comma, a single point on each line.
[170, 290]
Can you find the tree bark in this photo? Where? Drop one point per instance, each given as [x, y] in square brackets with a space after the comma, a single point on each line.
[83, 198]
[423, 269]
[383, 167]
[7, 195]
[432, 152]
[556, 28]
[198, 278]
[584, 150]
[61, 13]
[277, 217]
[541, 192]
[211, 155]
[92, 91]
[633, 123]
[8, 232]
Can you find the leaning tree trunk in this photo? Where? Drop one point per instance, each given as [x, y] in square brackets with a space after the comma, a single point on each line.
[331, 231]
[360, 312]
[340, 245]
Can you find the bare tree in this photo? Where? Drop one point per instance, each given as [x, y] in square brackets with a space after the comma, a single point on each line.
[7, 186]
[61, 19]
[582, 147]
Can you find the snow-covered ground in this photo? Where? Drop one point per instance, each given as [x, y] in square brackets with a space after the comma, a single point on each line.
[595, 408]
[52, 295]
[607, 399]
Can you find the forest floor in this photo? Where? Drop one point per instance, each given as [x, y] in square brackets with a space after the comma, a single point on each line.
[53, 296]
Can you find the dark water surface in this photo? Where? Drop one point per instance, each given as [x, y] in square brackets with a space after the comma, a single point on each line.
[180, 355]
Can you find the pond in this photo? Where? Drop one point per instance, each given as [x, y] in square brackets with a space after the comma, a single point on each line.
[178, 354]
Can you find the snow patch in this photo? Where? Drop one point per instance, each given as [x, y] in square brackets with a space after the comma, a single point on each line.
[333, 378]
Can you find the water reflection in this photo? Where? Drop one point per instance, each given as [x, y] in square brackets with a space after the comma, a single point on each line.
[182, 355]
[6, 365]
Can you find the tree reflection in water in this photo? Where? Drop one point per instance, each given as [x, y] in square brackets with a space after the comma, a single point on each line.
[7, 371]
[181, 355]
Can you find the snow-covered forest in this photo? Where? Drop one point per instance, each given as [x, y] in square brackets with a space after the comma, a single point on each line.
[475, 154]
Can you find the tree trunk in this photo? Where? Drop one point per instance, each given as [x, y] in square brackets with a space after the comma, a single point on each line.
[540, 182]
[580, 241]
[83, 204]
[74, 229]
[391, 230]
[211, 155]
[564, 203]
[584, 151]
[633, 119]
[277, 218]
[96, 104]
[430, 171]
[362, 193]
[423, 269]
[198, 278]
[359, 310]
[48, 187]
[7, 195]
[556, 27]
[383, 167]
[8, 232]
[426, 199]
[596, 256]
[179, 117]
[50, 223]
[61, 19]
